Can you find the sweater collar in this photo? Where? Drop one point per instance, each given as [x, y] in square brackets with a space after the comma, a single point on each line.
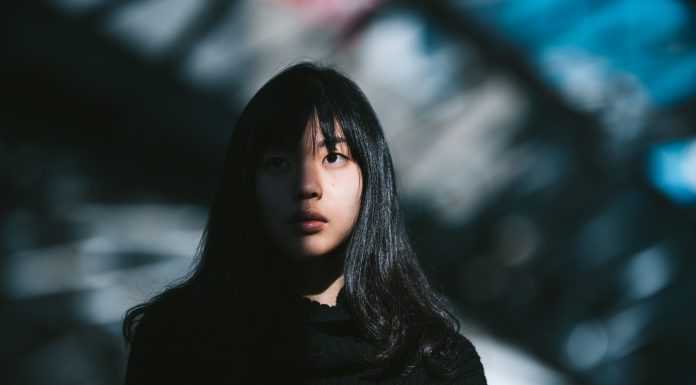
[335, 345]
[314, 311]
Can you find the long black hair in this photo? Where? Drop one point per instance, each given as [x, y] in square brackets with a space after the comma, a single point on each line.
[388, 294]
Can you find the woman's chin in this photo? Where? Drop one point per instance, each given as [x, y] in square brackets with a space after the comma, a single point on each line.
[309, 248]
[308, 255]
[309, 252]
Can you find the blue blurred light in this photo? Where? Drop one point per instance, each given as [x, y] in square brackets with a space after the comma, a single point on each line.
[676, 80]
[651, 40]
[672, 170]
[648, 272]
[587, 345]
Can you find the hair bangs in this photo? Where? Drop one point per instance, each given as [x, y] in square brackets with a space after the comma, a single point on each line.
[293, 111]
[284, 121]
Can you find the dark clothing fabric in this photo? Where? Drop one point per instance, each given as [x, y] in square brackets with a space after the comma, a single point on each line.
[328, 350]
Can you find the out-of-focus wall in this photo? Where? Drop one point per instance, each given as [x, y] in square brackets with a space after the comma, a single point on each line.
[546, 151]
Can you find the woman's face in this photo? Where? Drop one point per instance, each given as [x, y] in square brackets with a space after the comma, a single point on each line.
[309, 200]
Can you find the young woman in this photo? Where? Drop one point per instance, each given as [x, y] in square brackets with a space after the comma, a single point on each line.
[305, 273]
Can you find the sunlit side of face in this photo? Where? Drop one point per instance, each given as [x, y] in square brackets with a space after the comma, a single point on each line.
[295, 187]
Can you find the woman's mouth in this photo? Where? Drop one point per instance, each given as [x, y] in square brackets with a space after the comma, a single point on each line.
[307, 226]
[307, 221]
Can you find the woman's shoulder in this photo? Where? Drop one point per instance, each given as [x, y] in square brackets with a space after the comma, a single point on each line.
[466, 362]
[151, 352]
[161, 319]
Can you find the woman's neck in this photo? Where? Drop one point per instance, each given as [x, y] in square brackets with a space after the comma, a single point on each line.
[329, 295]
[319, 280]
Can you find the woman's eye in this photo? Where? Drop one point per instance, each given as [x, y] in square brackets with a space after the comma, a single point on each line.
[277, 164]
[335, 158]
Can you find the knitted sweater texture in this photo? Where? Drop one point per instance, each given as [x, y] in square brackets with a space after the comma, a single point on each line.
[333, 352]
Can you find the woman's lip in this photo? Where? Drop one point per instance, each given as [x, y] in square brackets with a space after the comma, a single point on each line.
[308, 226]
[307, 215]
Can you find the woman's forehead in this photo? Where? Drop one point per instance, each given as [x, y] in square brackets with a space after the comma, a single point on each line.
[312, 138]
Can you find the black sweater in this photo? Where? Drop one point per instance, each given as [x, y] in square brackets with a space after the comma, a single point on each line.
[332, 353]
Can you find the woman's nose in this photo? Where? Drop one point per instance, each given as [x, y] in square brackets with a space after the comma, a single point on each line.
[308, 185]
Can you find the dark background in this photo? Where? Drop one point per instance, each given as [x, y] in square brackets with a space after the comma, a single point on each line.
[545, 148]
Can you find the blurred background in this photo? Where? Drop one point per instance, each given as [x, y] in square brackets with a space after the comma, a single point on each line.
[546, 150]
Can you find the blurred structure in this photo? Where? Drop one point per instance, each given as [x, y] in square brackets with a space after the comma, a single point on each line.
[546, 149]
